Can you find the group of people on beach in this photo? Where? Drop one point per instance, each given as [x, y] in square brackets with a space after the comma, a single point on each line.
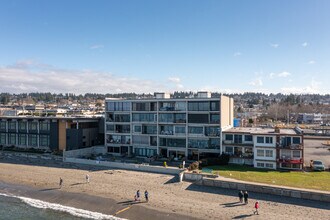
[137, 196]
[244, 195]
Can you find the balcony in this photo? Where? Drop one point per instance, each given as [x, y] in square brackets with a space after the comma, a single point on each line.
[118, 141]
[290, 146]
[290, 160]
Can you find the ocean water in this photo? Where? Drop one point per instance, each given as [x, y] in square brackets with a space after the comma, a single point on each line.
[17, 207]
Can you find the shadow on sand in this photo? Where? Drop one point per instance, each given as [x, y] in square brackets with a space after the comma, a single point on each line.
[242, 216]
[259, 196]
[130, 202]
[76, 184]
[232, 204]
[49, 189]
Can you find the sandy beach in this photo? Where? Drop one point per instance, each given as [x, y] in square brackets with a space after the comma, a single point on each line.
[112, 191]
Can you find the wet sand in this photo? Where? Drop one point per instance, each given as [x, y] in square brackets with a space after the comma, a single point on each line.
[112, 190]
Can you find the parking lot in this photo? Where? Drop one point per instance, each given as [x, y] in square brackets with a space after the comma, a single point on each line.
[315, 150]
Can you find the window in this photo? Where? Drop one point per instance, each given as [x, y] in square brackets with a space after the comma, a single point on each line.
[22, 125]
[110, 128]
[229, 137]
[33, 126]
[12, 125]
[166, 118]
[180, 130]
[144, 117]
[137, 128]
[44, 125]
[296, 140]
[33, 140]
[229, 150]
[12, 139]
[44, 140]
[260, 153]
[269, 165]
[215, 106]
[198, 118]
[248, 138]
[195, 130]
[269, 153]
[3, 138]
[149, 129]
[198, 106]
[237, 139]
[22, 139]
[214, 118]
[2, 125]
[180, 106]
[260, 165]
[269, 140]
[197, 143]
[296, 153]
[260, 140]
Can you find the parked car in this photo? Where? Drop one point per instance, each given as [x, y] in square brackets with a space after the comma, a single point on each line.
[318, 165]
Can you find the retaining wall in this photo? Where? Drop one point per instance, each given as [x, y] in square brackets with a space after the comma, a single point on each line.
[199, 179]
[86, 152]
[126, 166]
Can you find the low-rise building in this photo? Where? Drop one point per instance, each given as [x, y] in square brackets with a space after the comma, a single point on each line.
[265, 147]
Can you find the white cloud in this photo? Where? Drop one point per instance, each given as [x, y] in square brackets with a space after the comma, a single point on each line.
[311, 62]
[96, 46]
[32, 77]
[281, 74]
[256, 82]
[174, 79]
[313, 87]
[274, 45]
[236, 54]
[305, 44]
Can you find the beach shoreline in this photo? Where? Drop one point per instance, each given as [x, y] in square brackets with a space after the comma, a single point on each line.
[111, 191]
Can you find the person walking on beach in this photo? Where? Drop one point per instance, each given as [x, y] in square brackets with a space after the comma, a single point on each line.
[61, 182]
[256, 206]
[146, 196]
[137, 196]
[246, 197]
[240, 196]
[87, 178]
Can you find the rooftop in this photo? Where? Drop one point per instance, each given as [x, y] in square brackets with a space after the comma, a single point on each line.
[265, 131]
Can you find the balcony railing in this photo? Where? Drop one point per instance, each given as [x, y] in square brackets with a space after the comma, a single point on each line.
[291, 160]
[290, 146]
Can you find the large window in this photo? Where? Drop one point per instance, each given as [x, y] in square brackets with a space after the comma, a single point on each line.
[149, 129]
[195, 130]
[269, 140]
[269, 165]
[296, 140]
[44, 141]
[166, 118]
[122, 118]
[180, 106]
[118, 106]
[33, 126]
[248, 138]
[3, 138]
[22, 125]
[180, 118]
[229, 150]
[199, 106]
[110, 127]
[212, 131]
[44, 125]
[22, 139]
[215, 143]
[296, 154]
[145, 152]
[144, 117]
[260, 140]
[198, 118]
[214, 118]
[197, 143]
[137, 139]
[269, 153]
[3, 125]
[260, 153]
[180, 129]
[12, 125]
[172, 142]
[12, 139]
[137, 128]
[229, 137]
[33, 140]
[215, 105]
[237, 139]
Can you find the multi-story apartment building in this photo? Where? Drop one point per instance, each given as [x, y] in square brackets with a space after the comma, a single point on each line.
[189, 127]
[50, 133]
[265, 147]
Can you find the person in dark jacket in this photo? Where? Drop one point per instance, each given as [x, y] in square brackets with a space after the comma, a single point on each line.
[240, 196]
[146, 195]
[246, 197]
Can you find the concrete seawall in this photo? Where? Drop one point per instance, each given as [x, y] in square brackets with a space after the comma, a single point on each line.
[126, 166]
[199, 179]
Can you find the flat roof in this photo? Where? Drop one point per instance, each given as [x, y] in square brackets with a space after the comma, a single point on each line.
[264, 131]
[50, 117]
[165, 99]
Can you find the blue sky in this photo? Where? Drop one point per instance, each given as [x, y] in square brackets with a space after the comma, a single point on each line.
[145, 46]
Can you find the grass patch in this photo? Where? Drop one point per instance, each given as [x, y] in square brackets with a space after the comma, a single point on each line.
[307, 180]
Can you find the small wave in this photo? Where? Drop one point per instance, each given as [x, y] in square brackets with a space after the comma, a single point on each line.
[71, 210]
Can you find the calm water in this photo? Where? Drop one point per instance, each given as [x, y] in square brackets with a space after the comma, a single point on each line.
[12, 207]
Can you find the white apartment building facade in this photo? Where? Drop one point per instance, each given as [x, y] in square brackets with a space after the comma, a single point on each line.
[188, 127]
[265, 147]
